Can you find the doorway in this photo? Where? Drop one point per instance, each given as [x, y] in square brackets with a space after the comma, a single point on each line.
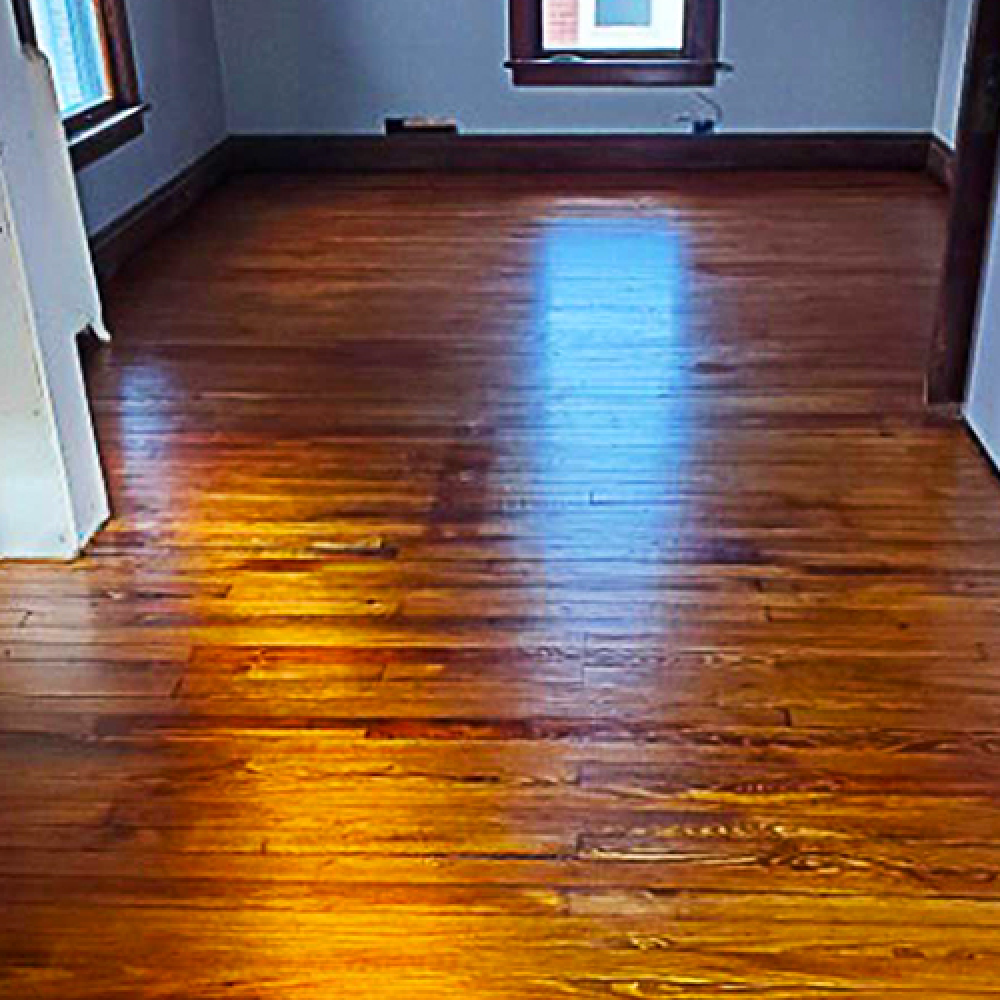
[970, 217]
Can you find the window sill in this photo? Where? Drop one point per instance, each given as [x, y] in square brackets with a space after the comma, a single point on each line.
[89, 144]
[613, 73]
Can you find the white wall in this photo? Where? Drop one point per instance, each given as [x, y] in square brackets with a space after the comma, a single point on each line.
[343, 65]
[181, 78]
[956, 35]
[983, 408]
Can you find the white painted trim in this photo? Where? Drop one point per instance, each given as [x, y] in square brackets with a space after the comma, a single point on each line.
[52, 495]
[984, 439]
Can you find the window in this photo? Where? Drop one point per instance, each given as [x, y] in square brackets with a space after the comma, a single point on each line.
[644, 43]
[89, 49]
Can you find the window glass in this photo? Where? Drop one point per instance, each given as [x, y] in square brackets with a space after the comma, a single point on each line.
[614, 24]
[69, 33]
[624, 13]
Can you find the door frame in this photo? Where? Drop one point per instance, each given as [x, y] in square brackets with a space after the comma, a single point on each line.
[970, 215]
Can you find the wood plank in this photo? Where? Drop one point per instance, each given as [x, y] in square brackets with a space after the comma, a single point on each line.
[519, 587]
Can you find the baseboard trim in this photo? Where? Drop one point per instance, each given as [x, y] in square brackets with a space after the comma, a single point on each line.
[122, 239]
[582, 153]
[945, 412]
[941, 162]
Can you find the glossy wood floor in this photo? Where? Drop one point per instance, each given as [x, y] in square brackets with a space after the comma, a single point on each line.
[525, 587]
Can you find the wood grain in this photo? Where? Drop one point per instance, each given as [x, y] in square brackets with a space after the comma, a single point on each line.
[520, 587]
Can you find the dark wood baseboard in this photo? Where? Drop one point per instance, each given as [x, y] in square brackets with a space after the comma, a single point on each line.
[122, 239]
[127, 236]
[568, 153]
[941, 162]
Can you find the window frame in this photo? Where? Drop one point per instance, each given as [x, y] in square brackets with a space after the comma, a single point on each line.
[695, 65]
[106, 126]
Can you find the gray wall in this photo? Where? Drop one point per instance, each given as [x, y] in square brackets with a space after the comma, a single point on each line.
[181, 78]
[956, 35]
[343, 65]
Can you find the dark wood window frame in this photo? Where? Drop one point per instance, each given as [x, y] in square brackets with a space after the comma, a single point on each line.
[695, 65]
[105, 127]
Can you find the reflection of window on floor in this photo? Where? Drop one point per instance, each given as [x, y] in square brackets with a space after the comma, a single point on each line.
[614, 24]
[612, 381]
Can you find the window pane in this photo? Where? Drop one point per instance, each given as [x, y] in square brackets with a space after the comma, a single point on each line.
[625, 13]
[70, 35]
[620, 25]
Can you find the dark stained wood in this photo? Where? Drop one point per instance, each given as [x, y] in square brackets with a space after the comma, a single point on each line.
[941, 162]
[973, 188]
[25, 22]
[88, 144]
[122, 239]
[583, 153]
[120, 52]
[526, 27]
[519, 587]
[607, 72]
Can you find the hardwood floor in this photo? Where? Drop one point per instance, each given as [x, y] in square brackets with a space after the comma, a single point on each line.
[524, 587]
